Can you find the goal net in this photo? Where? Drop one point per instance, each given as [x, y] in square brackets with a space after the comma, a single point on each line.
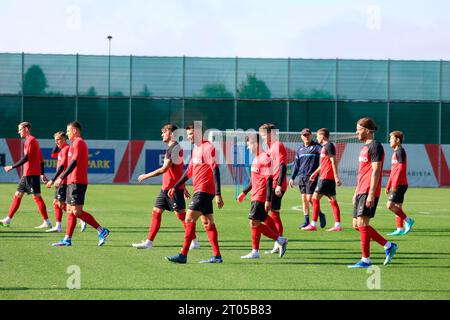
[235, 160]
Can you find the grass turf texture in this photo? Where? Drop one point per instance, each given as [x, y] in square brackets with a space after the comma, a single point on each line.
[314, 267]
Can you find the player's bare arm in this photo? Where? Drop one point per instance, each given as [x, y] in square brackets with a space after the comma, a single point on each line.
[376, 171]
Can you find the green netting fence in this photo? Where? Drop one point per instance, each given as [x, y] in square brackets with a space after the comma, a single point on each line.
[131, 97]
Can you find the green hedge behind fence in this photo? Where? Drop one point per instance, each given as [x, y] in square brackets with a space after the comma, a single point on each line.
[124, 98]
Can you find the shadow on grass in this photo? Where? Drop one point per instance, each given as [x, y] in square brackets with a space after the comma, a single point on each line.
[230, 290]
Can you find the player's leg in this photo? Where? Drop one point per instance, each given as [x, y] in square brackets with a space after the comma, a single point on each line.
[189, 234]
[336, 213]
[395, 204]
[70, 227]
[18, 195]
[399, 218]
[306, 209]
[213, 237]
[57, 207]
[256, 239]
[316, 211]
[178, 204]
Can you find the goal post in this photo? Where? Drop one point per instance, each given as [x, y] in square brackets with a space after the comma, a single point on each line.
[235, 160]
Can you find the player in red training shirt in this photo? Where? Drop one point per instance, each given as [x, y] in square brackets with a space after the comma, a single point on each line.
[368, 192]
[172, 170]
[398, 184]
[278, 153]
[33, 167]
[261, 186]
[77, 183]
[326, 186]
[60, 152]
[205, 173]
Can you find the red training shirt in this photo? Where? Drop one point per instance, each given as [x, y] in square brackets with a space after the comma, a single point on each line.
[175, 154]
[201, 168]
[278, 153]
[372, 152]
[261, 171]
[79, 152]
[398, 169]
[63, 159]
[32, 149]
[326, 169]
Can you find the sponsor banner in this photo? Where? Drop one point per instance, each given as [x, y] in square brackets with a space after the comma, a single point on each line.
[100, 161]
[427, 164]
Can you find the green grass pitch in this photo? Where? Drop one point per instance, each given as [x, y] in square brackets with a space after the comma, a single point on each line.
[314, 267]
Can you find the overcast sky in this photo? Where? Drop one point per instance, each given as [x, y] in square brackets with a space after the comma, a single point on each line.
[353, 29]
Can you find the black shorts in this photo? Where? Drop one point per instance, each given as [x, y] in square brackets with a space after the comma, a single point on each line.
[164, 202]
[399, 195]
[327, 187]
[276, 200]
[30, 185]
[61, 192]
[306, 186]
[75, 194]
[360, 209]
[202, 202]
[257, 211]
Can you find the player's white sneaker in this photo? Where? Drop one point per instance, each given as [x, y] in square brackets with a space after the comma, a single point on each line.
[251, 255]
[83, 226]
[195, 244]
[5, 223]
[54, 229]
[276, 249]
[44, 225]
[143, 245]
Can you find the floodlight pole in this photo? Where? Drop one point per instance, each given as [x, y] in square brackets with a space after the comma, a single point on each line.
[109, 85]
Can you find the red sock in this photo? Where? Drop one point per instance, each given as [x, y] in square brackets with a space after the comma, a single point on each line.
[182, 217]
[89, 219]
[58, 212]
[270, 223]
[189, 233]
[256, 237]
[42, 208]
[399, 222]
[336, 210]
[155, 224]
[277, 220]
[399, 213]
[364, 234]
[71, 224]
[14, 206]
[268, 232]
[213, 237]
[316, 209]
[374, 235]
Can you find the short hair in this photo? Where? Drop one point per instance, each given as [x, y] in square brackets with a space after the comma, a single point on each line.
[325, 132]
[398, 134]
[25, 125]
[75, 124]
[60, 134]
[268, 127]
[170, 126]
[368, 123]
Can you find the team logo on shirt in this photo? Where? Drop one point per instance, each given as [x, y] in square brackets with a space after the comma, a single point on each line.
[363, 156]
[255, 169]
[196, 160]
